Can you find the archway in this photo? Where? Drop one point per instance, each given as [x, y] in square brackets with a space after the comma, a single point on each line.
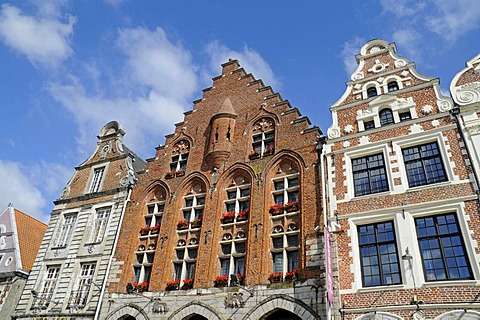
[127, 317]
[195, 317]
[282, 314]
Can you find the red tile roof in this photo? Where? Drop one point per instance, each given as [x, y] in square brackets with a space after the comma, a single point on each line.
[30, 234]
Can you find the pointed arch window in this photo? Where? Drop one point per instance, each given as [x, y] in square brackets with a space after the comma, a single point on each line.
[180, 153]
[263, 138]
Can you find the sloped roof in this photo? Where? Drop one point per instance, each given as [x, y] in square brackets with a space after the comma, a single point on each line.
[30, 234]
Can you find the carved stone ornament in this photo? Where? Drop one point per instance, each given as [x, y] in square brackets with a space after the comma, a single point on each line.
[182, 146]
[427, 109]
[444, 105]
[473, 129]
[65, 192]
[378, 66]
[348, 128]
[375, 49]
[435, 123]
[158, 306]
[358, 76]
[468, 93]
[264, 124]
[346, 144]
[234, 300]
[418, 315]
[333, 132]
[106, 148]
[400, 63]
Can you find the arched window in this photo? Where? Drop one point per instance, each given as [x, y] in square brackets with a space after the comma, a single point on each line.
[392, 86]
[179, 157]
[188, 228]
[286, 208]
[155, 207]
[386, 117]
[263, 138]
[233, 250]
[372, 92]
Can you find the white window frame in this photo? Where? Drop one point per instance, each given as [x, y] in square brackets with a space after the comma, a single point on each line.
[100, 224]
[238, 198]
[45, 296]
[66, 229]
[79, 297]
[414, 140]
[97, 178]
[286, 187]
[364, 152]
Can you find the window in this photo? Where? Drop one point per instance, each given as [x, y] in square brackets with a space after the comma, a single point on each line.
[66, 230]
[368, 125]
[97, 179]
[79, 297]
[263, 138]
[424, 165]
[369, 175]
[386, 117]
[378, 255]
[232, 257]
[180, 156]
[193, 209]
[286, 189]
[154, 215]
[392, 86]
[237, 202]
[442, 249]
[43, 299]
[372, 92]
[404, 116]
[100, 225]
[184, 263]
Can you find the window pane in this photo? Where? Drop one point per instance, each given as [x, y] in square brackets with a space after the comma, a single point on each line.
[369, 175]
[424, 165]
[240, 247]
[277, 262]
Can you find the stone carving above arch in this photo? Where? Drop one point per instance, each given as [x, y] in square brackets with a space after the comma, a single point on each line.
[459, 314]
[379, 316]
[128, 310]
[195, 308]
[182, 146]
[278, 301]
[263, 124]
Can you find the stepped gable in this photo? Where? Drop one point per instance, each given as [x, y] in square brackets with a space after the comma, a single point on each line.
[384, 79]
[465, 86]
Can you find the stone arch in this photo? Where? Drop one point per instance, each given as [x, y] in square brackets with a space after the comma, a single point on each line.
[195, 308]
[279, 301]
[110, 128]
[124, 312]
[379, 316]
[459, 314]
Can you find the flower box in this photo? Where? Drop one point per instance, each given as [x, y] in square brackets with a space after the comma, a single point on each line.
[187, 284]
[144, 230]
[241, 279]
[254, 154]
[221, 281]
[276, 209]
[275, 277]
[180, 173]
[170, 175]
[183, 224]
[172, 285]
[196, 223]
[155, 229]
[269, 151]
[291, 275]
[228, 217]
[291, 207]
[242, 215]
[140, 287]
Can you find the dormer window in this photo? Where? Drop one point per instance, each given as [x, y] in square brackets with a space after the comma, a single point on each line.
[392, 86]
[372, 92]
[386, 117]
[179, 157]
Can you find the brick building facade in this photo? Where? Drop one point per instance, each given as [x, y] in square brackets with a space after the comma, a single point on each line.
[402, 196]
[69, 275]
[234, 191]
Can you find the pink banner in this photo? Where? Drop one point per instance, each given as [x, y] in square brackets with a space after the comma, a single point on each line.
[328, 265]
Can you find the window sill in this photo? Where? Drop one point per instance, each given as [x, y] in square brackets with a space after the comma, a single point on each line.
[449, 283]
[382, 288]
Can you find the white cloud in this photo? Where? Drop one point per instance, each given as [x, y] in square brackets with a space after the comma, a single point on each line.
[452, 19]
[409, 41]
[249, 59]
[148, 96]
[349, 50]
[43, 40]
[17, 188]
[402, 8]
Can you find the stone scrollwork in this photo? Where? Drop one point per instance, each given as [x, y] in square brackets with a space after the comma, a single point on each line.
[348, 128]
[234, 300]
[333, 132]
[444, 105]
[358, 76]
[468, 93]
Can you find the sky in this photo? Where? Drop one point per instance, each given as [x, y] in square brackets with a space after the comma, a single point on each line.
[68, 67]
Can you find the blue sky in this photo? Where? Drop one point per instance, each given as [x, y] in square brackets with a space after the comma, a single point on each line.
[68, 67]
